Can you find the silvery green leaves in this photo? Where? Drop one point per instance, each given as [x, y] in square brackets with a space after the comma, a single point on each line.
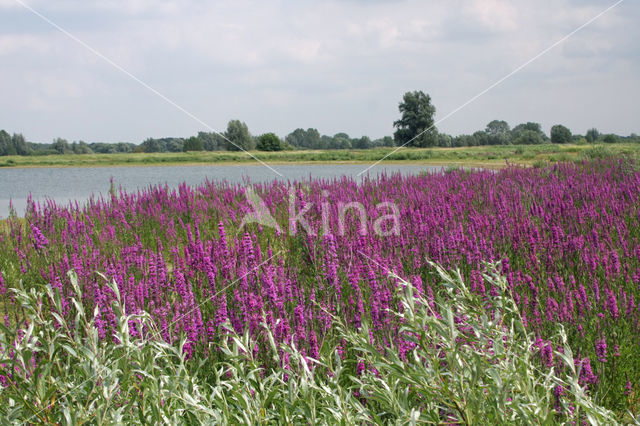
[472, 362]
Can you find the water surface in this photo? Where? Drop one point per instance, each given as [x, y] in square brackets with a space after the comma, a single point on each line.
[70, 184]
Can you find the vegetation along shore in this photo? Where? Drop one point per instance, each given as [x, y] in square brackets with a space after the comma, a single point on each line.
[493, 156]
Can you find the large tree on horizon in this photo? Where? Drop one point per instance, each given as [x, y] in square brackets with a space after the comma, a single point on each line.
[560, 134]
[416, 126]
[238, 136]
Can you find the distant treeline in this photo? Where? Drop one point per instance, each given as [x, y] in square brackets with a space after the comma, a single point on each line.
[237, 137]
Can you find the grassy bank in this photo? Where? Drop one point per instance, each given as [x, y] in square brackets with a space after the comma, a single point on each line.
[483, 156]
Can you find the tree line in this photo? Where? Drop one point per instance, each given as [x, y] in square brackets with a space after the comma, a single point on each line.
[415, 128]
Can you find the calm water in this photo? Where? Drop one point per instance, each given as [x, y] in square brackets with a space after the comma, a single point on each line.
[79, 183]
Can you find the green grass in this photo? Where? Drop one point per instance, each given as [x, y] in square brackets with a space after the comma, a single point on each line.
[483, 156]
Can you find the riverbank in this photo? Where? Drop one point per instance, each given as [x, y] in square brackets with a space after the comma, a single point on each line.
[483, 156]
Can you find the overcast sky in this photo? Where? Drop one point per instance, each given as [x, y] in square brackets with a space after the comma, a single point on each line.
[338, 66]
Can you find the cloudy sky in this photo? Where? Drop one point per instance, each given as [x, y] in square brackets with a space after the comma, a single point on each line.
[329, 64]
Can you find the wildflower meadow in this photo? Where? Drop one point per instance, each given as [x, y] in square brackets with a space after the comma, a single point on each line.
[330, 301]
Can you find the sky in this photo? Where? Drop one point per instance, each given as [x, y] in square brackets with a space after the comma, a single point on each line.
[337, 66]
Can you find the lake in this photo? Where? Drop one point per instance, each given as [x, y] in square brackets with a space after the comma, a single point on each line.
[80, 183]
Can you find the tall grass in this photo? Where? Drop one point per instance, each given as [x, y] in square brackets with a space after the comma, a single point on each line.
[471, 361]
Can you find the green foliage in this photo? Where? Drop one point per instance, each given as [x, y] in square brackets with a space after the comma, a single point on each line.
[212, 141]
[269, 142]
[498, 132]
[238, 136]
[560, 134]
[528, 131]
[162, 145]
[444, 140]
[62, 146]
[597, 153]
[416, 125]
[6, 145]
[387, 141]
[592, 135]
[20, 144]
[579, 140]
[111, 148]
[473, 363]
[610, 139]
[362, 143]
[528, 137]
[194, 143]
[62, 373]
[309, 139]
[340, 141]
[481, 370]
[81, 148]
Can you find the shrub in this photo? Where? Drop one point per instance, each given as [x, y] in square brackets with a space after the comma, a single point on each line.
[598, 152]
[269, 142]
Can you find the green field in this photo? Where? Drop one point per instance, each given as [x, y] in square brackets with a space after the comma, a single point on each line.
[481, 156]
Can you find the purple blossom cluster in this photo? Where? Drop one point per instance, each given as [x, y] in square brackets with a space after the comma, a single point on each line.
[567, 236]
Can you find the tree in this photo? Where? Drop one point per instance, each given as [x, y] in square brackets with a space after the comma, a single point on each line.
[176, 145]
[212, 141]
[529, 137]
[150, 145]
[312, 138]
[592, 135]
[325, 141]
[533, 128]
[301, 138]
[560, 134]
[6, 146]
[340, 141]
[269, 142]
[296, 138]
[416, 126]
[610, 138]
[61, 146]
[20, 144]
[480, 138]
[498, 132]
[362, 143]
[194, 143]
[81, 148]
[462, 140]
[387, 141]
[238, 136]
[444, 140]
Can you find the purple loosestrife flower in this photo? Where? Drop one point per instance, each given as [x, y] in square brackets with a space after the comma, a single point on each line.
[558, 393]
[354, 279]
[547, 354]
[331, 272]
[612, 304]
[314, 351]
[3, 290]
[552, 309]
[615, 263]
[582, 292]
[596, 291]
[39, 240]
[601, 349]
[586, 373]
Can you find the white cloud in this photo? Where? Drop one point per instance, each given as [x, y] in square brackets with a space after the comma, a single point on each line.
[333, 65]
[495, 15]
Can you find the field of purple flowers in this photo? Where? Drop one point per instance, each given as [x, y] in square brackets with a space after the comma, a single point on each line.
[568, 237]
